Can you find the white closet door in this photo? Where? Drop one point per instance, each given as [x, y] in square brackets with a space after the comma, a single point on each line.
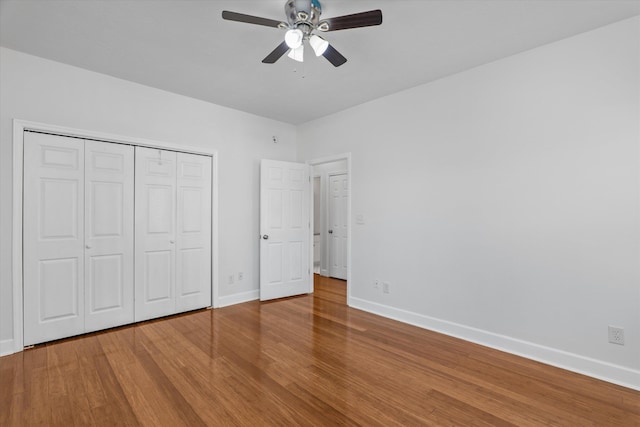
[53, 240]
[193, 240]
[108, 235]
[155, 249]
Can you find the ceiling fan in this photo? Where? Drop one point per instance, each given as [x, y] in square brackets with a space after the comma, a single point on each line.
[303, 20]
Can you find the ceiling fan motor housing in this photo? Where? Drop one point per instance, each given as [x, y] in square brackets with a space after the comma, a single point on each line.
[303, 14]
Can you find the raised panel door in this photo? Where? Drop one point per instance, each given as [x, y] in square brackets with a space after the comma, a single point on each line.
[338, 203]
[285, 227]
[193, 228]
[109, 173]
[155, 233]
[53, 237]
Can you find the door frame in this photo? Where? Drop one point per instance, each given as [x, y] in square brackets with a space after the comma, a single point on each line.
[19, 127]
[331, 159]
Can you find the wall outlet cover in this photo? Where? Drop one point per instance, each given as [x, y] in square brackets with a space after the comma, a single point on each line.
[616, 335]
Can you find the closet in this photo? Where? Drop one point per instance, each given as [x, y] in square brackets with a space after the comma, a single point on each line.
[112, 234]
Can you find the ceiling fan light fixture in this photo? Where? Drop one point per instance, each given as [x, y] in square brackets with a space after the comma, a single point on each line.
[297, 54]
[318, 44]
[303, 19]
[294, 38]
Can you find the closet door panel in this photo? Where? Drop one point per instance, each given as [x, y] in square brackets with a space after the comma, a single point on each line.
[109, 170]
[155, 249]
[53, 237]
[193, 240]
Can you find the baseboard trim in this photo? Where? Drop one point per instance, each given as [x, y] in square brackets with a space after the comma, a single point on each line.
[7, 347]
[605, 371]
[238, 298]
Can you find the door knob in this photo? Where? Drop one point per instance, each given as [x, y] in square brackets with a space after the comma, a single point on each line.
[171, 241]
[330, 231]
[87, 246]
[265, 237]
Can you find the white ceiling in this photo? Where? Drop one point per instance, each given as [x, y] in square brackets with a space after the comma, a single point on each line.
[184, 46]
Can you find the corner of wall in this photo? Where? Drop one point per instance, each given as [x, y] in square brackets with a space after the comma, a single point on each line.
[238, 298]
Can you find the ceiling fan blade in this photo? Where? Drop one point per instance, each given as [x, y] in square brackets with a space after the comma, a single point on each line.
[276, 54]
[334, 56]
[249, 19]
[362, 19]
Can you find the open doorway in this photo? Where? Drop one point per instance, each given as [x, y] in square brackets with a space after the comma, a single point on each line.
[331, 213]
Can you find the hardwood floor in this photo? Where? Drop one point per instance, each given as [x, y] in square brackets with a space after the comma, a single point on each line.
[306, 360]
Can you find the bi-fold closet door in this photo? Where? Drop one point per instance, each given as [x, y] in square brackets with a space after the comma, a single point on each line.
[77, 236]
[81, 224]
[173, 232]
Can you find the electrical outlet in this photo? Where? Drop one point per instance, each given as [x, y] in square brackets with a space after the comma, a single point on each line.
[385, 287]
[376, 284]
[240, 276]
[231, 279]
[616, 335]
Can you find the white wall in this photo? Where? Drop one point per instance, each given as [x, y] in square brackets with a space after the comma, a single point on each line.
[502, 203]
[39, 90]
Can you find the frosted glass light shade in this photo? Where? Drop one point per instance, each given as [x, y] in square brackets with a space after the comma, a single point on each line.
[293, 38]
[297, 53]
[318, 44]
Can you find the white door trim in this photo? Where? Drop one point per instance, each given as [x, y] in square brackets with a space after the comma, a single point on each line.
[349, 171]
[19, 126]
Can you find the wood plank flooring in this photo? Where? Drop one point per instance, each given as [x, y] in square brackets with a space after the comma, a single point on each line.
[306, 360]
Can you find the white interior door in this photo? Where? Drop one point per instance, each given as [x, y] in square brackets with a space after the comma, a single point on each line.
[193, 240]
[285, 229]
[338, 234]
[108, 212]
[155, 217]
[53, 237]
